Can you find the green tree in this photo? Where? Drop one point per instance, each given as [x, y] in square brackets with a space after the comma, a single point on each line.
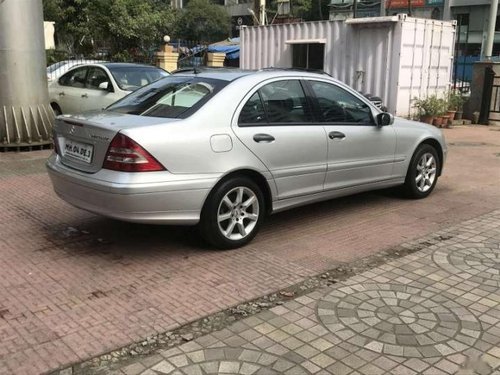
[204, 21]
[124, 27]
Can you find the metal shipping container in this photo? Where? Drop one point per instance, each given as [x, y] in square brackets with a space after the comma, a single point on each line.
[397, 57]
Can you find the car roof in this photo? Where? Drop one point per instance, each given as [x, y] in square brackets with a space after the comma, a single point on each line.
[231, 74]
[126, 65]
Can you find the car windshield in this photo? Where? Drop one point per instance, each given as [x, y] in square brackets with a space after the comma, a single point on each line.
[171, 97]
[130, 78]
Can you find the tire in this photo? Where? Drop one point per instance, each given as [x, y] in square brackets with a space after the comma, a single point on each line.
[225, 222]
[424, 166]
[56, 109]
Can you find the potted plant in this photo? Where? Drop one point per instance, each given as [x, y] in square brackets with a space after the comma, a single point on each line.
[455, 103]
[428, 108]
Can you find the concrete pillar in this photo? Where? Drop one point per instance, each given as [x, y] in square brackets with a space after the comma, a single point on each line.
[490, 36]
[26, 117]
[166, 58]
[215, 59]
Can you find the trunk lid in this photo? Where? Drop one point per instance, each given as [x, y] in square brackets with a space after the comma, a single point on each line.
[83, 140]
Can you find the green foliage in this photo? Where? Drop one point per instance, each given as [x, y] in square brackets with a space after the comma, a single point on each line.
[455, 101]
[430, 106]
[54, 55]
[84, 26]
[202, 21]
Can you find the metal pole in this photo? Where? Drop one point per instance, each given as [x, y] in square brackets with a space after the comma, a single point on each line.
[409, 8]
[382, 8]
[446, 11]
[262, 12]
[355, 9]
[488, 48]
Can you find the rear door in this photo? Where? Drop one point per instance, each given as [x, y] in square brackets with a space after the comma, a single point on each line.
[359, 151]
[71, 87]
[275, 123]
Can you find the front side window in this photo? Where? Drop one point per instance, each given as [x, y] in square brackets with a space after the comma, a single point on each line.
[334, 104]
[96, 77]
[171, 97]
[74, 78]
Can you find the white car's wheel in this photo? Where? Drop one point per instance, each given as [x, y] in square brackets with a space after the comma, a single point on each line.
[232, 214]
[422, 174]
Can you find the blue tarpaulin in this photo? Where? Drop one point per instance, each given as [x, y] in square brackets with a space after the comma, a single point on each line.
[231, 47]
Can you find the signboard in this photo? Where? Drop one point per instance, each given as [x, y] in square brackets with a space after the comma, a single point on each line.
[403, 4]
[435, 2]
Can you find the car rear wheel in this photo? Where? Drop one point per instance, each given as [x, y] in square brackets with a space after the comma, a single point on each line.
[56, 109]
[232, 214]
[422, 174]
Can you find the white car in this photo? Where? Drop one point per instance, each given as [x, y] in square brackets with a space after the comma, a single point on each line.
[96, 85]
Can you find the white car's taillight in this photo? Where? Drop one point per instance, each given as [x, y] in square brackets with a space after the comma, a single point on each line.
[126, 155]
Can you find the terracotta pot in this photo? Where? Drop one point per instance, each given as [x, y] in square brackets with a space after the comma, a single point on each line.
[427, 119]
[438, 121]
[452, 114]
[446, 121]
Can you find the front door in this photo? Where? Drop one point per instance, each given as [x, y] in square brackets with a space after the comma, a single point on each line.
[359, 151]
[275, 123]
[95, 98]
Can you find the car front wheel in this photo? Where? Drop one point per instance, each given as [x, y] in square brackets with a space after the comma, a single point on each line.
[232, 214]
[422, 174]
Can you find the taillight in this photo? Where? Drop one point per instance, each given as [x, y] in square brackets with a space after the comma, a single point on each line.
[126, 155]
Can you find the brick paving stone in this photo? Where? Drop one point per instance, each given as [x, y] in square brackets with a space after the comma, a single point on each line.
[75, 285]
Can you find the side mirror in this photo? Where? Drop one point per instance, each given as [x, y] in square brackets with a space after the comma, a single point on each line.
[105, 86]
[384, 119]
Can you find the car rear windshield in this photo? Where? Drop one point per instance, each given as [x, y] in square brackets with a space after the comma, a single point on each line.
[170, 97]
[130, 78]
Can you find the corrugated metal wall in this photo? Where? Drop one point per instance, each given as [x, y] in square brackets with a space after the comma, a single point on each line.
[370, 54]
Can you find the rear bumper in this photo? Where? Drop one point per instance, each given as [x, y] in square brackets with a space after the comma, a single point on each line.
[168, 200]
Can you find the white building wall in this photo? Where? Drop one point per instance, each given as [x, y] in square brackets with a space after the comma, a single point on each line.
[48, 28]
[395, 58]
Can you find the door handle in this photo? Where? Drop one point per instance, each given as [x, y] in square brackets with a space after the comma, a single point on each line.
[61, 93]
[85, 96]
[264, 138]
[339, 135]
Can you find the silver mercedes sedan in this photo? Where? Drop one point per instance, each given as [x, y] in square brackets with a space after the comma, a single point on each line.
[225, 149]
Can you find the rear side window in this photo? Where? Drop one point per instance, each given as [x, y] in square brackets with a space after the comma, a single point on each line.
[171, 97]
[280, 102]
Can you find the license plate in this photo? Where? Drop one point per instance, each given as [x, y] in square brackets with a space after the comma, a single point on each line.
[77, 150]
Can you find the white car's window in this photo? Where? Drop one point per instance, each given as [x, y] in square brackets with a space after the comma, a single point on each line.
[285, 102]
[74, 78]
[253, 111]
[95, 77]
[130, 78]
[280, 102]
[336, 105]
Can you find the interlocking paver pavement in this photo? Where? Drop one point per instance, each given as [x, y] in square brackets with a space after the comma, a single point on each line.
[74, 285]
[424, 318]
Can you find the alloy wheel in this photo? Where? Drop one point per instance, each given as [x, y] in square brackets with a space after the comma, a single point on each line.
[238, 213]
[426, 172]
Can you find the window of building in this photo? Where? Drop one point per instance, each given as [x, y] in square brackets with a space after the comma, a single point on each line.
[308, 56]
